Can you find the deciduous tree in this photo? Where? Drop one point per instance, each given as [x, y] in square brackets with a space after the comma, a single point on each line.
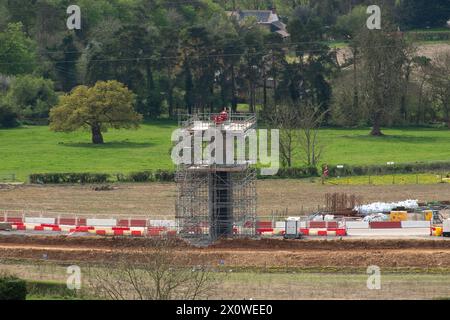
[105, 105]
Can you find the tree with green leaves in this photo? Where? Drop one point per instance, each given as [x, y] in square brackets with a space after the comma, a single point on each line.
[17, 51]
[105, 105]
[31, 97]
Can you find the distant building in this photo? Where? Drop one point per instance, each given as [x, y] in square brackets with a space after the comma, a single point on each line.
[267, 18]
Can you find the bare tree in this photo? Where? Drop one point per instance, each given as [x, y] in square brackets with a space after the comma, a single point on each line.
[384, 60]
[439, 80]
[285, 117]
[311, 118]
[299, 126]
[150, 273]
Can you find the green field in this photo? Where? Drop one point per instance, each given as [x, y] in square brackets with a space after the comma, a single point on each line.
[36, 149]
[399, 179]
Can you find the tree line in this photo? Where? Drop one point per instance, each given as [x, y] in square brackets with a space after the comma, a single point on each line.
[186, 56]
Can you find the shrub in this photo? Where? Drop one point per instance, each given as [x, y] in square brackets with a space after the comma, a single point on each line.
[12, 288]
[143, 176]
[48, 288]
[293, 173]
[57, 178]
[8, 118]
[164, 175]
[31, 97]
[398, 168]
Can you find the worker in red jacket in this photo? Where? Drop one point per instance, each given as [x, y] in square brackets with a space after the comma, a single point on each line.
[222, 117]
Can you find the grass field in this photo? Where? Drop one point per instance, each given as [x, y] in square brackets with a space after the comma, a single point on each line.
[36, 149]
[422, 284]
[396, 179]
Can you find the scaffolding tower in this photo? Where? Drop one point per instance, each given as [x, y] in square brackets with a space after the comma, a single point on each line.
[216, 200]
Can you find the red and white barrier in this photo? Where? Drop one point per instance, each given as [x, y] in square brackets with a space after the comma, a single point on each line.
[323, 232]
[388, 228]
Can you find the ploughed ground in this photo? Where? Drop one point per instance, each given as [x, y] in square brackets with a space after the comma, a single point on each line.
[158, 199]
[240, 253]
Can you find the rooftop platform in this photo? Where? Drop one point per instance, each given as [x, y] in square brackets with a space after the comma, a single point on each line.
[236, 123]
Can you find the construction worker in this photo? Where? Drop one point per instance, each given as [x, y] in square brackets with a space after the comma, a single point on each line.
[222, 117]
[325, 173]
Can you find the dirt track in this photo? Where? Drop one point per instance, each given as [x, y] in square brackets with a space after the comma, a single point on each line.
[239, 253]
[158, 199]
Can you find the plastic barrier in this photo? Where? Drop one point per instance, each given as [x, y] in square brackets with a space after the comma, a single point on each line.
[323, 232]
[40, 220]
[123, 223]
[416, 224]
[264, 230]
[385, 224]
[101, 222]
[163, 223]
[138, 223]
[357, 225]
[67, 221]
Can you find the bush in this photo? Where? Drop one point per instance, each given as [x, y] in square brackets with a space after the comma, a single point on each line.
[293, 173]
[429, 36]
[57, 178]
[398, 168]
[31, 97]
[12, 288]
[48, 288]
[8, 118]
[143, 176]
[74, 178]
[164, 176]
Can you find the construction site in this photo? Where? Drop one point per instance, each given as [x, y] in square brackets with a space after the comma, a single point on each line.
[216, 199]
[215, 214]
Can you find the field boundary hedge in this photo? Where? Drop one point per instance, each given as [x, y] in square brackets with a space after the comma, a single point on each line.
[283, 173]
[396, 168]
[84, 178]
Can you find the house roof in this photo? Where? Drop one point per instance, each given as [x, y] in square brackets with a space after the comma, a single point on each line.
[266, 17]
[262, 16]
[280, 25]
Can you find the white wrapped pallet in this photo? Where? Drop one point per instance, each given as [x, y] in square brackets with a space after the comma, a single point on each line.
[378, 207]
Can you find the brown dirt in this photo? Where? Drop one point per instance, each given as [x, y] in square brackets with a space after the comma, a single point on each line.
[242, 253]
[158, 199]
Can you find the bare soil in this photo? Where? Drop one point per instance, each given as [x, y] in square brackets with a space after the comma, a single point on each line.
[241, 253]
[158, 199]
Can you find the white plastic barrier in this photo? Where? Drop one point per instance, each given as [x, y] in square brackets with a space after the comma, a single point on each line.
[389, 232]
[163, 223]
[40, 220]
[280, 224]
[416, 224]
[101, 222]
[357, 225]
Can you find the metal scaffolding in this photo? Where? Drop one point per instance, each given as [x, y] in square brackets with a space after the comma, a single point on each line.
[216, 200]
